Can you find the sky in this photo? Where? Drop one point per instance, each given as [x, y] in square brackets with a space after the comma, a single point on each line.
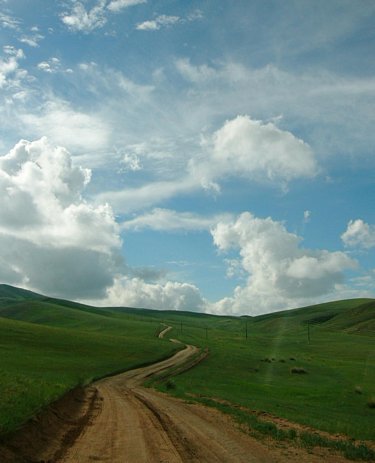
[214, 156]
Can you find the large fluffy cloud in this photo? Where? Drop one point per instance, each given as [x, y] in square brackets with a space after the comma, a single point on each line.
[256, 150]
[55, 242]
[135, 292]
[280, 272]
[359, 234]
[50, 238]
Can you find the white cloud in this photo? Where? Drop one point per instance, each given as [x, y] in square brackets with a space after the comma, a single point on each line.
[86, 20]
[169, 220]
[52, 66]
[359, 234]
[306, 216]
[32, 40]
[281, 274]
[9, 66]
[67, 127]
[9, 22]
[134, 199]
[118, 5]
[80, 19]
[257, 151]
[197, 74]
[157, 23]
[131, 162]
[243, 148]
[134, 292]
[52, 240]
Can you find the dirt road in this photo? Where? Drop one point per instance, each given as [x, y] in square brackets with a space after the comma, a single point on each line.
[135, 425]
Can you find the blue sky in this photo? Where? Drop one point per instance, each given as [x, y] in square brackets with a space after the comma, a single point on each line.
[203, 155]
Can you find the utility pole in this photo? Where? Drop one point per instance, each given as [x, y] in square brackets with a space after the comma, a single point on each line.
[308, 331]
[181, 327]
[206, 332]
[246, 330]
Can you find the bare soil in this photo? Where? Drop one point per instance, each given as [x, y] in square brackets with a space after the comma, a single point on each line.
[116, 420]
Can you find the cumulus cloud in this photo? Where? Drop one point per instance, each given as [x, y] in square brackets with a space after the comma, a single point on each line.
[280, 272]
[134, 292]
[256, 150]
[52, 240]
[359, 234]
[169, 220]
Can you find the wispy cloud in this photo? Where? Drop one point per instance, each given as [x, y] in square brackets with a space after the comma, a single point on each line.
[52, 66]
[81, 19]
[9, 22]
[157, 23]
[169, 220]
[163, 20]
[32, 40]
[118, 5]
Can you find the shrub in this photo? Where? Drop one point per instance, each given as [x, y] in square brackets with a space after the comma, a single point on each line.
[371, 402]
[170, 384]
[298, 370]
[358, 390]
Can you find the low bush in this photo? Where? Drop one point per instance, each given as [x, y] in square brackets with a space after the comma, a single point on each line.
[298, 370]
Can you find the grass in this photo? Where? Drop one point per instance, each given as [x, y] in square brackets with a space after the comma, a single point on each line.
[251, 373]
[39, 363]
[260, 427]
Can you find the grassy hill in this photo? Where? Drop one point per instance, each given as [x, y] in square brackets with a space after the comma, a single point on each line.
[330, 346]
[47, 346]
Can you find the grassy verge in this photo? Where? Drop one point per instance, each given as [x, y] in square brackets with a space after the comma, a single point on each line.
[258, 428]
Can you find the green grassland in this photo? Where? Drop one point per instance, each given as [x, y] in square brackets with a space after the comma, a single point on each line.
[47, 349]
[47, 346]
[338, 365]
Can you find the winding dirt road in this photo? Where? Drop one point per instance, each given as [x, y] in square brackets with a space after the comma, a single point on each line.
[134, 425]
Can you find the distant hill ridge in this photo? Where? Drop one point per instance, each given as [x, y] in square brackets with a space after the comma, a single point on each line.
[352, 315]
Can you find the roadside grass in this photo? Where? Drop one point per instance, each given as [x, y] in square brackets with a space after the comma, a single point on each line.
[38, 364]
[259, 427]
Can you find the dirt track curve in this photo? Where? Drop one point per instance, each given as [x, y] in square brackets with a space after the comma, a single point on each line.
[135, 425]
[123, 422]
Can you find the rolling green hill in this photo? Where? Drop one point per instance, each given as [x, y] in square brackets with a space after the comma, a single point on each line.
[48, 346]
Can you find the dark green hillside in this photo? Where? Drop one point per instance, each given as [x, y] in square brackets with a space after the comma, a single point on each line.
[10, 294]
[47, 349]
[346, 312]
